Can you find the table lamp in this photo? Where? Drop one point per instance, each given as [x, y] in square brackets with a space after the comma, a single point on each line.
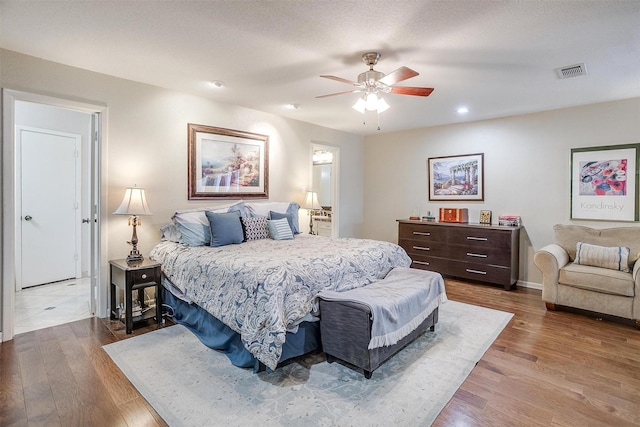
[311, 203]
[134, 204]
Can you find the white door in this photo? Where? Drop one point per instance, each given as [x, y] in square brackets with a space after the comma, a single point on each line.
[48, 235]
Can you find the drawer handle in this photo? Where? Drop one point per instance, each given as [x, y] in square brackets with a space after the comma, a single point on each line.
[475, 271]
[421, 262]
[421, 248]
[421, 233]
[482, 239]
[144, 276]
[477, 255]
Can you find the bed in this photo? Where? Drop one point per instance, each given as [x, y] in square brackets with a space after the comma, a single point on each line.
[256, 296]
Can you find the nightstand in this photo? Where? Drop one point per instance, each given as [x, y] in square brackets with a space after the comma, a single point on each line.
[135, 277]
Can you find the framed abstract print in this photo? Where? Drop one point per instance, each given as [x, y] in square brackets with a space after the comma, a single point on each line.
[604, 183]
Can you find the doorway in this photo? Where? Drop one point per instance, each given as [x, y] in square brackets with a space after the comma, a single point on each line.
[324, 182]
[32, 121]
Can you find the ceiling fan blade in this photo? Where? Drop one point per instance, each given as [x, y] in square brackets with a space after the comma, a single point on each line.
[339, 93]
[340, 79]
[402, 73]
[415, 91]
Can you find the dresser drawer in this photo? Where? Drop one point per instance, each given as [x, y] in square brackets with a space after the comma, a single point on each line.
[479, 255]
[423, 247]
[480, 238]
[423, 232]
[480, 272]
[424, 262]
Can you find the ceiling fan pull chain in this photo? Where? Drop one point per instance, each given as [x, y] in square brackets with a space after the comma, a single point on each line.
[378, 113]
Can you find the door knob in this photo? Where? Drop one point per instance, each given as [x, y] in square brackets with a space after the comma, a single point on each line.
[86, 220]
[28, 218]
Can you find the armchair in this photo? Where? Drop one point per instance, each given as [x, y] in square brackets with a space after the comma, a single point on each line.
[599, 275]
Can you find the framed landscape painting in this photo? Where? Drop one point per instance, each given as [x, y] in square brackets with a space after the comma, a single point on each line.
[226, 163]
[604, 183]
[456, 177]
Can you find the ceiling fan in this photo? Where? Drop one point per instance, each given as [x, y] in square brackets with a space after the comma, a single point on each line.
[375, 83]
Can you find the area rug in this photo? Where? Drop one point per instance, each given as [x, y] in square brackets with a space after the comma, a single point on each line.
[189, 384]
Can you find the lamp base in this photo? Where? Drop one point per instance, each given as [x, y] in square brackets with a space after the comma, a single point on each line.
[134, 256]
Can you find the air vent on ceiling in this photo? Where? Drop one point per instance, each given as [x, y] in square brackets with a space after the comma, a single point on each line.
[572, 71]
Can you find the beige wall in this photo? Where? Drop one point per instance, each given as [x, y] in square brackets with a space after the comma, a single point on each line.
[147, 145]
[527, 169]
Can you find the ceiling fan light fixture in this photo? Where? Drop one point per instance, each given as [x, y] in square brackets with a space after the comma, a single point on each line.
[382, 105]
[371, 101]
[359, 105]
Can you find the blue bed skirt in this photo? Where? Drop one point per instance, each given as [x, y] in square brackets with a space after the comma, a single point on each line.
[218, 336]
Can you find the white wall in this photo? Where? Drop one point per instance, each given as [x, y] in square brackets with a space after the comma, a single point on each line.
[527, 169]
[147, 144]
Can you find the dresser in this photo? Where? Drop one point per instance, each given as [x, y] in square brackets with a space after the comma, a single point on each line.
[322, 225]
[480, 252]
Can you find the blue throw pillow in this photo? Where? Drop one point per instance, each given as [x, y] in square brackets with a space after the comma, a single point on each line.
[279, 229]
[288, 216]
[226, 228]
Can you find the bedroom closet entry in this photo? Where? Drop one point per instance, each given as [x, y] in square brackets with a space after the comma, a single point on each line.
[55, 217]
[324, 182]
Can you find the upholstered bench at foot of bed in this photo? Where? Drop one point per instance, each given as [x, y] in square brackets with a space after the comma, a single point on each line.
[346, 324]
[345, 330]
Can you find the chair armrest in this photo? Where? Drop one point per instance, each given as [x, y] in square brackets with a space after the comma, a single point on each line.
[550, 259]
[636, 298]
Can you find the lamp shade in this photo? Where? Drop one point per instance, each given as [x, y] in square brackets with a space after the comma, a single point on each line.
[311, 201]
[133, 203]
[370, 102]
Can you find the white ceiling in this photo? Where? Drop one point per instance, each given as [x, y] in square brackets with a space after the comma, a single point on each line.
[495, 57]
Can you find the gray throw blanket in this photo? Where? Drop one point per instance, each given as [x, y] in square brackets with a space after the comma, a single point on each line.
[399, 303]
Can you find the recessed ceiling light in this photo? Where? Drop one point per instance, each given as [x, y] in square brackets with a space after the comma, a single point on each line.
[463, 110]
[217, 84]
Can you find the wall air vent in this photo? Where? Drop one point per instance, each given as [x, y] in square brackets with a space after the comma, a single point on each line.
[571, 71]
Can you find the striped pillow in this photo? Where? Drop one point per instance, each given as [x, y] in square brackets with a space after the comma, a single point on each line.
[279, 229]
[613, 258]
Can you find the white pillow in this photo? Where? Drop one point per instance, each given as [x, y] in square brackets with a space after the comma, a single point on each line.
[613, 258]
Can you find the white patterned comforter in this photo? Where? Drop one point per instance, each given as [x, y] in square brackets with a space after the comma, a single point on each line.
[261, 287]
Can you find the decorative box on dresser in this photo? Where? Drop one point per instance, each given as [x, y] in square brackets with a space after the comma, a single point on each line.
[486, 253]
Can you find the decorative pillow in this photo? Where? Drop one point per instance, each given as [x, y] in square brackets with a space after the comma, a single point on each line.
[278, 215]
[193, 225]
[279, 229]
[170, 232]
[193, 228]
[226, 228]
[614, 258]
[254, 228]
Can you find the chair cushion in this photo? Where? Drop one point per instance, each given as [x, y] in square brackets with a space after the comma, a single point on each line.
[597, 279]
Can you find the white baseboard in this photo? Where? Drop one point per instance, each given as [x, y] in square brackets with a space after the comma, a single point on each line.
[531, 285]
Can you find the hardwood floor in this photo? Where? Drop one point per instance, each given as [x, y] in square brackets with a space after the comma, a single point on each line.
[545, 369]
